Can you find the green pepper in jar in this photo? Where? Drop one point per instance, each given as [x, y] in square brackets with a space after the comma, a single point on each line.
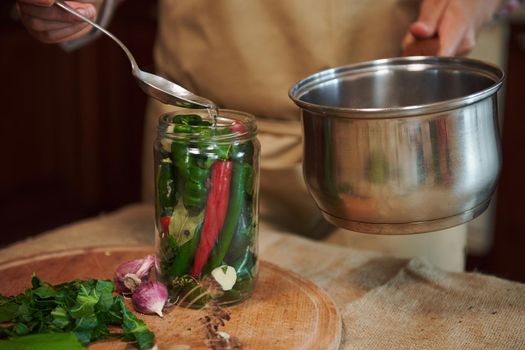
[165, 187]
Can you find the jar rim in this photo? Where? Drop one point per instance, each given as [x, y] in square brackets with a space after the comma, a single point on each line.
[241, 125]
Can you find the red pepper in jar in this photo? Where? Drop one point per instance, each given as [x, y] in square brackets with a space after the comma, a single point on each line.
[215, 212]
[237, 126]
[165, 223]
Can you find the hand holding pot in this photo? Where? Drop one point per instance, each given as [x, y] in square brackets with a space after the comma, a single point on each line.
[453, 24]
[50, 24]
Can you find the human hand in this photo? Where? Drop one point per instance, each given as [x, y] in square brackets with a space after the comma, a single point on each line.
[448, 27]
[51, 24]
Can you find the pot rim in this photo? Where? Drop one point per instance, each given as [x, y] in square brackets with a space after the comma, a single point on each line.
[475, 66]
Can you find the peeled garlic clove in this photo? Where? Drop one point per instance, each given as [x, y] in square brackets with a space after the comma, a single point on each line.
[225, 275]
[132, 273]
[150, 298]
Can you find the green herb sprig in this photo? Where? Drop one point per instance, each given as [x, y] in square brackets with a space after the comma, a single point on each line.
[85, 308]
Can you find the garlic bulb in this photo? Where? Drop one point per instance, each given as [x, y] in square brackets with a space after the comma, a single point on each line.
[150, 298]
[132, 273]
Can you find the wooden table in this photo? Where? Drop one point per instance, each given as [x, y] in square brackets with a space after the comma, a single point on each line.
[384, 302]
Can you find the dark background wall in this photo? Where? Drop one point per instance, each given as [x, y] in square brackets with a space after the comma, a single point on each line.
[507, 257]
[71, 133]
[71, 125]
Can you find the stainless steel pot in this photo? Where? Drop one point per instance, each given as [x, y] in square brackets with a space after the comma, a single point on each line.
[402, 145]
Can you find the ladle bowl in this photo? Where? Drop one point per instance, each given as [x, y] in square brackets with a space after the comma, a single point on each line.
[153, 85]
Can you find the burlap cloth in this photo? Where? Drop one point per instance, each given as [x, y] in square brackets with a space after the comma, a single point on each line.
[385, 303]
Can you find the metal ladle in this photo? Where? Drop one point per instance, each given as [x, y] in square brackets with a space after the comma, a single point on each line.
[155, 86]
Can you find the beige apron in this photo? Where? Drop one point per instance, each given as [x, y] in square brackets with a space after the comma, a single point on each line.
[247, 54]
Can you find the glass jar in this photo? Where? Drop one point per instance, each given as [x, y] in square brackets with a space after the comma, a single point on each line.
[206, 190]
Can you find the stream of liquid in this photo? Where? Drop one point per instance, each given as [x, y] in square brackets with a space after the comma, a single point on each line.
[213, 113]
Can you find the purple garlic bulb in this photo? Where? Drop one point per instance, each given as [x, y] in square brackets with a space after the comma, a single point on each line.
[132, 273]
[150, 298]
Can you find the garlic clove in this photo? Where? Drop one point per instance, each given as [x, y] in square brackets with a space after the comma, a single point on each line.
[225, 275]
[130, 274]
[150, 298]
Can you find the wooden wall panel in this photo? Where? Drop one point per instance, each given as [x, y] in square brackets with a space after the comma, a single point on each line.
[507, 258]
[71, 125]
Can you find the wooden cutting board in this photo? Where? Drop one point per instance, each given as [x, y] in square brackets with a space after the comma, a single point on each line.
[286, 311]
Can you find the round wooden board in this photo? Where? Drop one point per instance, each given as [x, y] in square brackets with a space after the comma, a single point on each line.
[286, 311]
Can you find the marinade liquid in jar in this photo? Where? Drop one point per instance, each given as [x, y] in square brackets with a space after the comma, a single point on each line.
[206, 188]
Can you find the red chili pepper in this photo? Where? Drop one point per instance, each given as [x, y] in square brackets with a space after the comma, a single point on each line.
[215, 212]
[237, 126]
[165, 223]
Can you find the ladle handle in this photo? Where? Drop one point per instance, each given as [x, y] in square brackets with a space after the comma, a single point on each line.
[61, 4]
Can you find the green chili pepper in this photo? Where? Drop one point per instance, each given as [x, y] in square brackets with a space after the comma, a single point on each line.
[195, 189]
[165, 186]
[235, 205]
[244, 151]
[182, 262]
[179, 148]
[168, 251]
[180, 157]
[181, 241]
[243, 236]
[193, 160]
[245, 264]
[187, 119]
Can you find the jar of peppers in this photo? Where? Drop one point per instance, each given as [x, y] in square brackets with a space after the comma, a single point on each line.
[206, 190]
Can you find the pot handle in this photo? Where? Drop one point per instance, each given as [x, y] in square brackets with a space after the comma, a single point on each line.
[422, 47]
